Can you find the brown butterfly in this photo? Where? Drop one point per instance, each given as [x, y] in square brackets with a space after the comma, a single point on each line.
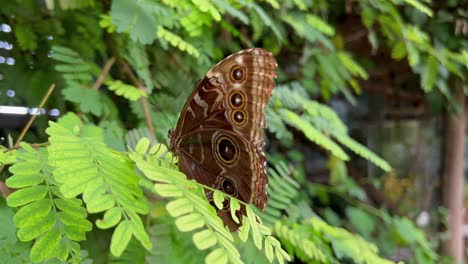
[219, 137]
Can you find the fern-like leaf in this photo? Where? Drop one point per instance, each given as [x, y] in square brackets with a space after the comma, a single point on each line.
[193, 212]
[177, 42]
[107, 181]
[127, 91]
[284, 189]
[313, 134]
[54, 221]
[300, 245]
[190, 208]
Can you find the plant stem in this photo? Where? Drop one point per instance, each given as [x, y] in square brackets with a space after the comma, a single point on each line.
[104, 73]
[33, 117]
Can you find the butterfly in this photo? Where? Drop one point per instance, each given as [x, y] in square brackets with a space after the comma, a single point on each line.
[219, 136]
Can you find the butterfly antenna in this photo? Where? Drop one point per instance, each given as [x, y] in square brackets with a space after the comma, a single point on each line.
[162, 112]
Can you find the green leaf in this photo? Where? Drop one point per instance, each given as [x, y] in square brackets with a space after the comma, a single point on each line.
[61, 251]
[244, 230]
[352, 66]
[204, 239]
[29, 213]
[26, 195]
[45, 244]
[422, 8]
[110, 218]
[134, 17]
[257, 237]
[217, 256]
[23, 180]
[78, 223]
[320, 25]
[40, 226]
[26, 37]
[120, 238]
[218, 199]
[361, 220]
[190, 222]
[127, 91]
[177, 42]
[100, 203]
[142, 145]
[429, 74]
[167, 190]
[234, 206]
[399, 51]
[89, 100]
[72, 206]
[359, 149]
[268, 249]
[312, 133]
[179, 207]
[139, 231]
[206, 6]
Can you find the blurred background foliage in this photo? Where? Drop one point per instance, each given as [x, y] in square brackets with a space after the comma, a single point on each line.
[377, 72]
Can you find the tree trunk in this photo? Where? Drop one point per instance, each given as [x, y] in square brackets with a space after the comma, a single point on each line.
[453, 176]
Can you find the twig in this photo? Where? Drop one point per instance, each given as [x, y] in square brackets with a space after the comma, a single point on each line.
[104, 73]
[31, 120]
[144, 102]
[4, 190]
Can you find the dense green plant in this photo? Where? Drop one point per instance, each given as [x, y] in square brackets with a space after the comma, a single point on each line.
[112, 59]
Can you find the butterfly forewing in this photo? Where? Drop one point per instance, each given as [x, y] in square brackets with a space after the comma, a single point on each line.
[219, 136]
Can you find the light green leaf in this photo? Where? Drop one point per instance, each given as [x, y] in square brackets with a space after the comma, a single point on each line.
[110, 218]
[204, 239]
[101, 203]
[429, 74]
[312, 133]
[40, 226]
[28, 168]
[244, 230]
[218, 199]
[217, 256]
[167, 190]
[179, 207]
[45, 244]
[257, 237]
[142, 145]
[26, 195]
[190, 222]
[139, 231]
[78, 223]
[399, 50]
[31, 212]
[234, 206]
[120, 238]
[268, 249]
[72, 206]
[61, 251]
[319, 24]
[422, 8]
[134, 17]
[127, 91]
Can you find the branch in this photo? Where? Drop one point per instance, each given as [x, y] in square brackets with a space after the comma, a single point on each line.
[144, 102]
[104, 73]
[31, 120]
[4, 189]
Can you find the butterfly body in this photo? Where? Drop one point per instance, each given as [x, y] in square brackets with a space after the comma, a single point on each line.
[219, 136]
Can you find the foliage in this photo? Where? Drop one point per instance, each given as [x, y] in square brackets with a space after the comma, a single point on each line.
[316, 122]
[194, 212]
[55, 222]
[111, 58]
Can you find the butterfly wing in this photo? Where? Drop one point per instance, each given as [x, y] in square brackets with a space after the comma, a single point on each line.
[219, 136]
